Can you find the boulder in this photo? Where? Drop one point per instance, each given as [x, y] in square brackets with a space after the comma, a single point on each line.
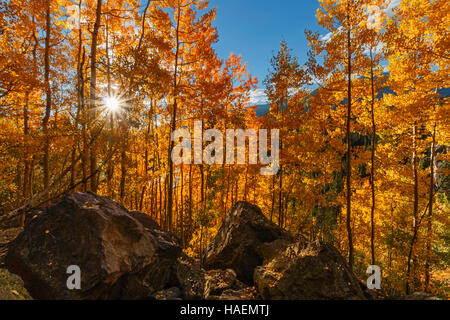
[190, 278]
[420, 296]
[218, 281]
[6, 236]
[243, 241]
[12, 287]
[120, 255]
[248, 293]
[312, 271]
[173, 293]
[165, 239]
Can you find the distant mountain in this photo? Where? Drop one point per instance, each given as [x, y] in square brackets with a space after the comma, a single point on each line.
[262, 109]
[444, 92]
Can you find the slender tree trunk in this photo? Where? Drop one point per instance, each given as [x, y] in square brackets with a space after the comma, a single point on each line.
[152, 199]
[206, 189]
[280, 199]
[48, 93]
[286, 206]
[155, 200]
[224, 190]
[173, 123]
[254, 191]
[110, 166]
[232, 193]
[166, 221]
[202, 185]
[415, 211]
[430, 212]
[372, 160]
[280, 191]
[273, 197]
[123, 173]
[190, 199]
[392, 232]
[80, 102]
[200, 251]
[228, 190]
[160, 204]
[27, 162]
[141, 200]
[93, 95]
[182, 208]
[349, 143]
[84, 116]
[176, 215]
[246, 184]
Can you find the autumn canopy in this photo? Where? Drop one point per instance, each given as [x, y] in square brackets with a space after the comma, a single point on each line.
[92, 92]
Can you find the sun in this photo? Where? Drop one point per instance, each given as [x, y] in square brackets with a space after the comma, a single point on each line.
[112, 104]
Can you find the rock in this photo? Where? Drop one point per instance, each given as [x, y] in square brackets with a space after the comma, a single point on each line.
[314, 271]
[173, 293]
[248, 293]
[147, 221]
[420, 296]
[165, 239]
[240, 242]
[217, 281]
[6, 236]
[190, 277]
[3, 252]
[126, 255]
[270, 250]
[33, 214]
[372, 294]
[120, 256]
[12, 287]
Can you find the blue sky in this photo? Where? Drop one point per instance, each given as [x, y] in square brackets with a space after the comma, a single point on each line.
[254, 29]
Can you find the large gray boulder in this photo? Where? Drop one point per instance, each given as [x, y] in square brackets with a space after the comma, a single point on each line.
[244, 241]
[121, 255]
[312, 271]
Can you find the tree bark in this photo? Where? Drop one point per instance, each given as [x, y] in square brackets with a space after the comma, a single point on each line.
[48, 94]
[27, 162]
[430, 212]
[349, 143]
[415, 211]
[93, 95]
[372, 160]
[173, 123]
[273, 198]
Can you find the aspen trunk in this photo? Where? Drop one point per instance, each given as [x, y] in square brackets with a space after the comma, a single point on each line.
[173, 122]
[48, 93]
[430, 212]
[415, 213]
[93, 95]
[349, 144]
[372, 160]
